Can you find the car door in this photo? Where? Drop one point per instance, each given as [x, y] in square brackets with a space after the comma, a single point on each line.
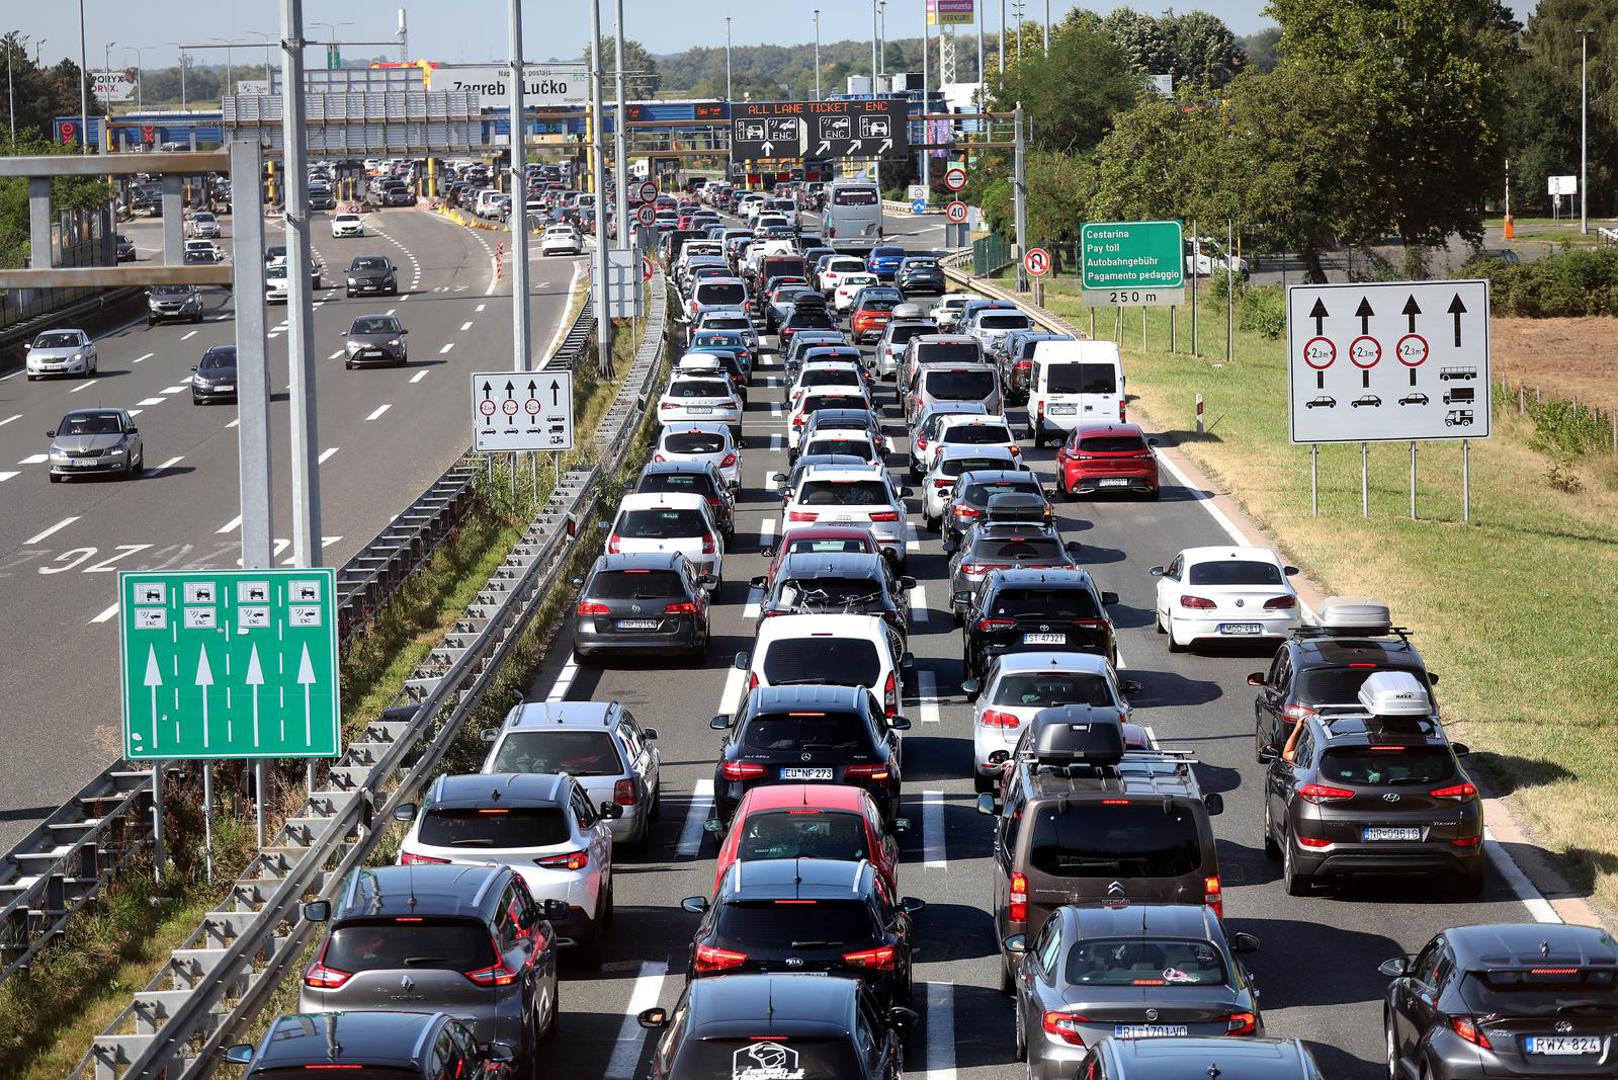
[1037, 990]
[1268, 702]
[599, 844]
[1282, 780]
[1412, 999]
[1005, 847]
[516, 945]
[1167, 584]
[876, 1054]
[644, 755]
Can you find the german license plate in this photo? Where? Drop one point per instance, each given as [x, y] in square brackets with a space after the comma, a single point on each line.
[1044, 639]
[1372, 834]
[1113, 481]
[1149, 1031]
[637, 624]
[1240, 629]
[1062, 410]
[1562, 1045]
[806, 774]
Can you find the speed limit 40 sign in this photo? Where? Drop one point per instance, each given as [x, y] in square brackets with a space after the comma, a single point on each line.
[955, 212]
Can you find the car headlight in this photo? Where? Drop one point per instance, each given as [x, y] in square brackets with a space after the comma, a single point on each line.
[78, 356]
[116, 451]
[352, 281]
[393, 341]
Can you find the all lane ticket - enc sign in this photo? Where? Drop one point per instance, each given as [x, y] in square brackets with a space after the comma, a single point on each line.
[1132, 263]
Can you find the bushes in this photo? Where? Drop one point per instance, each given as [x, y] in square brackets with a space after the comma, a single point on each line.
[1264, 311]
[1575, 281]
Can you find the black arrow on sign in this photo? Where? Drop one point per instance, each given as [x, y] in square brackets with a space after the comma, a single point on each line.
[486, 389]
[1318, 313]
[1457, 309]
[1364, 313]
[555, 386]
[1320, 380]
[531, 387]
[1411, 310]
[509, 388]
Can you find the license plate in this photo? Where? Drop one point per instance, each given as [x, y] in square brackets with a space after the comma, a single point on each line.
[1240, 629]
[1390, 834]
[225, 387]
[1149, 1031]
[1113, 481]
[1562, 1044]
[638, 624]
[1044, 639]
[699, 410]
[1062, 410]
[806, 774]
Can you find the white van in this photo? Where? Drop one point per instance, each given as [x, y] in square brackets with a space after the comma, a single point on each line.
[1073, 382]
[853, 214]
[844, 650]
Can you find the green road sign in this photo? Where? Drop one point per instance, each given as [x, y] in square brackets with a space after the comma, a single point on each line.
[1132, 263]
[229, 664]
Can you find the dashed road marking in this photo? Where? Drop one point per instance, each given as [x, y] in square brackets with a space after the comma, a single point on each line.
[135, 412]
[336, 355]
[418, 376]
[465, 326]
[447, 347]
[325, 455]
[148, 356]
[52, 531]
[4, 476]
[151, 401]
[377, 413]
[918, 604]
[390, 311]
[34, 459]
[691, 832]
[234, 423]
[735, 679]
[927, 697]
[166, 466]
[9, 419]
[174, 389]
[750, 610]
[778, 443]
[188, 335]
[85, 385]
[480, 307]
[940, 1031]
[230, 526]
[932, 830]
[766, 532]
[564, 680]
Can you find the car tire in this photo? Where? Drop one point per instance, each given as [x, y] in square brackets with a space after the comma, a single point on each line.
[1470, 883]
[1019, 1043]
[554, 1028]
[982, 785]
[1297, 883]
[1007, 985]
[1392, 1047]
[1259, 745]
[32, 377]
[1271, 848]
[1174, 642]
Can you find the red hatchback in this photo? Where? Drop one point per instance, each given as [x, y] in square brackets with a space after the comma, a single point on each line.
[811, 821]
[1107, 457]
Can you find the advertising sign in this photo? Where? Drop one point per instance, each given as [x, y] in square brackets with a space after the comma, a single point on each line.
[113, 86]
[544, 84]
[949, 12]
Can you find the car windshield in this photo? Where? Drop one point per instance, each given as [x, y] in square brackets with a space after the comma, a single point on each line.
[90, 424]
[383, 944]
[816, 402]
[1531, 992]
[1049, 689]
[809, 730]
[56, 341]
[1145, 838]
[1019, 549]
[372, 263]
[493, 827]
[577, 753]
[803, 834]
[854, 282]
[1070, 604]
[1074, 378]
[720, 292]
[218, 359]
[1112, 444]
[195, 255]
[693, 442]
[378, 325]
[948, 352]
[660, 524]
[1235, 572]
[171, 290]
[1004, 322]
[835, 592]
[1387, 766]
[843, 493]
[959, 384]
[977, 434]
[699, 388]
[1150, 962]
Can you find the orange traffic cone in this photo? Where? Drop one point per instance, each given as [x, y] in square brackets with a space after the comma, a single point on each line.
[1510, 229]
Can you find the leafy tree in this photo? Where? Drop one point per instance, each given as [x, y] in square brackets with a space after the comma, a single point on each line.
[1259, 49]
[1070, 97]
[1195, 46]
[40, 93]
[641, 78]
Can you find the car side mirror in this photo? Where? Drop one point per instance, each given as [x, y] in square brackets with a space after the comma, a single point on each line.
[769, 552]
[1130, 686]
[757, 582]
[907, 583]
[1072, 548]
[653, 1019]
[1151, 442]
[404, 812]
[240, 1054]
[740, 662]
[708, 582]
[713, 825]
[908, 661]
[905, 493]
[986, 804]
[720, 723]
[612, 811]
[901, 1018]
[489, 734]
[1431, 678]
[901, 824]
[193, 367]
[132, 431]
[502, 1052]
[912, 904]
[1255, 678]
[899, 723]
[648, 733]
[1156, 571]
[1109, 598]
[1215, 803]
[1460, 749]
[51, 434]
[962, 597]
[1016, 944]
[1394, 968]
[1290, 570]
[1050, 493]
[970, 687]
[576, 582]
[696, 905]
[402, 333]
[1243, 943]
[317, 911]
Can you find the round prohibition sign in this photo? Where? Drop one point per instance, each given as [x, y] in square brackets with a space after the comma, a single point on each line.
[509, 407]
[1365, 352]
[1319, 353]
[486, 407]
[956, 212]
[645, 214]
[532, 406]
[1412, 350]
[955, 178]
[1037, 262]
[648, 191]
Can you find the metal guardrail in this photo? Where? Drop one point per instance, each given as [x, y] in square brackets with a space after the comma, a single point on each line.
[229, 966]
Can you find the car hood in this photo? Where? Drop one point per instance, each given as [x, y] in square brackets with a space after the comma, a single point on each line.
[55, 354]
[80, 443]
[372, 339]
[368, 275]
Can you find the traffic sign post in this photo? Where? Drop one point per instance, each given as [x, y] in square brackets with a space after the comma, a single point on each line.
[955, 213]
[229, 664]
[919, 206]
[522, 410]
[648, 191]
[955, 177]
[824, 130]
[1132, 263]
[1037, 262]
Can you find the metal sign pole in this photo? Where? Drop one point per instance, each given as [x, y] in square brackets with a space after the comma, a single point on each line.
[158, 857]
[1365, 480]
[207, 819]
[603, 319]
[1412, 479]
[1230, 288]
[1195, 351]
[1314, 477]
[1466, 480]
[1019, 191]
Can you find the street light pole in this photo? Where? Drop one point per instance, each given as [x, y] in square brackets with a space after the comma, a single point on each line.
[882, 35]
[14, 42]
[106, 97]
[817, 57]
[603, 319]
[621, 133]
[1002, 43]
[1584, 129]
[876, 32]
[727, 59]
[1047, 27]
[520, 339]
[84, 89]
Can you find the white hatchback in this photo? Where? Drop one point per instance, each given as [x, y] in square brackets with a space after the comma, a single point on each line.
[670, 521]
[708, 443]
[841, 650]
[1210, 593]
[848, 286]
[969, 429]
[700, 398]
[844, 495]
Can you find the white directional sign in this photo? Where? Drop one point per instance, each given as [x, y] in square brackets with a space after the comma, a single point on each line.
[522, 410]
[1388, 362]
[543, 84]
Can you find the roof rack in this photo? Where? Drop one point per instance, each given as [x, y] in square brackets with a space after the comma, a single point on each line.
[1352, 616]
[1082, 740]
[1392, 725]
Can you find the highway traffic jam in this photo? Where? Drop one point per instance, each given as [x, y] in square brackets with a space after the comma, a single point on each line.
[921, 717]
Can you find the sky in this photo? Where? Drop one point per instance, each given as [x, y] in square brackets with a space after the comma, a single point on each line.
[468, 31]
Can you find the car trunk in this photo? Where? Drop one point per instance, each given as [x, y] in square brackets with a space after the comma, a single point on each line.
[409, 963]
[1392, 794]
[796, 935]
[809, 746]
[1556, 1020]
[1152, 847]
[635, 603]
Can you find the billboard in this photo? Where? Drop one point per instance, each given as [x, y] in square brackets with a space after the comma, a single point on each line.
[949, 12]
[114, 85]
[543, 84]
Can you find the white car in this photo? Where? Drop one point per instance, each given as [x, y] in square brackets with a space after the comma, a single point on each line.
[215, 252]
[852, 495]
[836, 268]
[708, 443]
[948, 309]
[854, 444]
[825, 375]
[843, 650]
[1225, 592]
[848, 286]
[938, 486]
[347, 225]
[202, 224]
[275, 283]
[670, 521]
[970, 429]
[561, 240]
[60, 352]
[699, 398]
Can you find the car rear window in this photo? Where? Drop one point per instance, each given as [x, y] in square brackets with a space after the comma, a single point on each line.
[957, 466]
[635, 585]
[829, 592]
[350, 1072]
[1004, 322]
[808, 730]
[726, 322]
[1047, 690]
[1145, 962]
[693, 442]
[977, 434]
[1019, 549]
[765, 924]
[830, 377]
[683, 483]
[385, 944]
[857, 447]
[1021, 603]
[804, 834]
[980, 492]
[878, 305]
[843, 493]
[1112, 444]
[56, 341]
[948, 352]
[1377, 766]
[1542, 991]
[773, 266]
[1341, 686]
[855, 197]
[898, 335]
[1153, 838]
[1075, 378]
[516, 827]
[577, 753]
[660, 524]
[721, 292]
[811, 318]
[699, 388]
[828, 547]
[958, 385]
[1235, 572]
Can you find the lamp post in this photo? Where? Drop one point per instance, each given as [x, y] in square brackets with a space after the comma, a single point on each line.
[817, 56]
[1584, 128]
[331, 45]
[140, 90]
[84, 90]
[1002, 43]
[882, 35]
[727, 59]
[230, 83]
[14, 42]
[106, 97]
[876, 32]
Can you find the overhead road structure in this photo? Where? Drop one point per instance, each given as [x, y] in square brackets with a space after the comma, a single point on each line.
[393, 122]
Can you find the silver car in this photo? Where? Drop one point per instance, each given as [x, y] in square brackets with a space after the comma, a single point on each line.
[599, 744]
[96, 441]
[60, 352]
[165, 302]
[938, 486]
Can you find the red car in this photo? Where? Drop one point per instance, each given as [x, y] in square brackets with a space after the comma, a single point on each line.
[824, 539]
[1107, 457]
[814, 821]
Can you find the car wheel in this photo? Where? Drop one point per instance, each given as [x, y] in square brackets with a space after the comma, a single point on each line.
[348, 365]
[32, 377]
[554, 1027]
[1007, 986]
[1019, 1045]
[1393, 1048]
[1297, 883]
[1470, 882]
[1259, 745]
[1271, 848]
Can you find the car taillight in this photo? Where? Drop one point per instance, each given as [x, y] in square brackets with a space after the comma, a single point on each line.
[708, 547]
[890, 695]
[1039, 413]
[875, 773]
[943, 484]
[623, 792]
[713, 958]
[1294, 713]
[740, 770]
[407, 858]
[885, 515]
[1281, 603]
[921, 443]
[985, 625]
[1019, 898]
[797, 421]
[1467, 1028]
[802, 515]
[968, 511]
[1456, 792]
[566, 860]
[879, 959]
[752, 680]
[974, 569]
[995, 718]
[1313, 842]
[1121, 410]
[1241, 1023]
[1197, 603]
[1213, 894]
[1065, 1026]
[667, 405]
[730, 459]
[612, 544]
[321, 977]
[500, 974]
[1321, 793]
[659, 457]
[1466, 841]
[593, 607]
[682, 607]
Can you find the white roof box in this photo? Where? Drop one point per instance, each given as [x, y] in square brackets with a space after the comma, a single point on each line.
[1355, 614]
[1395, 693]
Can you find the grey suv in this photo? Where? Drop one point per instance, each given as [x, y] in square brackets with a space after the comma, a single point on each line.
[399, 1045]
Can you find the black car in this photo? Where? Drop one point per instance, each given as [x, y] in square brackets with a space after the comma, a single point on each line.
[987, 548]
[974, 489]
[762, 1026]
[397, 1045]
[847, 583]
[1013, 354]
[125, 249]
[1024, 610]
[1504, 1000]
[1210, 1056]
[321, 198]
[214, 377]
[372, 274]
[648, 602]
[693, 478]
[824, 916]
[808, 734]
[920, 276]
[803, 317]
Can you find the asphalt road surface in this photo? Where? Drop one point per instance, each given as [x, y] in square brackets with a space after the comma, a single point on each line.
[385, 434]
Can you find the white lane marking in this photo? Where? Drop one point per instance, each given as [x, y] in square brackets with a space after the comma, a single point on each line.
[918, 604]
[390, 311]
[106, 616]
[447, 347]
[9, 419]
[556, 336]
[940, 1032]
[766, 532]
[465, 326]
[631, 1036]
[82, 386]
[174, 389]
[336, 355]
[230, 526]
[1202, 497]
[691, 832]
[418, 376]
[135, 412]
[4, 476]
[912, 541]
[480, 307]
[166, 466]
[148, 356]
[732, 696]
[8, 378]
[1523, 889]
[564, 679]
[932, 830]
[151, 401]
[234, 423]
[775, 408]
[1151, 735]
[778, 443]
[325, 455]
[34, 459]
[379, 411]
[927, 697]
[58, 527]
[188, 335]
[750, 610]
[220, 318]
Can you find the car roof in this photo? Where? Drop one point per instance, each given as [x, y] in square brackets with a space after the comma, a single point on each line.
[848, 473]
[1512, 944]
[639, 560]
[868, 627]
[1053, 660]
[775, 698]
[1250, 1059]
[449, 889]
[814, 531]
[811, 796]
[954, 451]
[661, 500]
[684, 465]
[743, 1006]
[358, 1037]
[1111, 428]
[1143, 920]
[531, 715]
[465, 791]
[989, 476]
[796, 879]
[1339, 651]
[1221, 553]
[832, 564]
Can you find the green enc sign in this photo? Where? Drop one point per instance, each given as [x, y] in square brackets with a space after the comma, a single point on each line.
[229, 664]
[1132, 263]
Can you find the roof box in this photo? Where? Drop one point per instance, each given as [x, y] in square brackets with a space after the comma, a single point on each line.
[1015, 506]
[1395, 694]
[1078, 734]
[1355, 615]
